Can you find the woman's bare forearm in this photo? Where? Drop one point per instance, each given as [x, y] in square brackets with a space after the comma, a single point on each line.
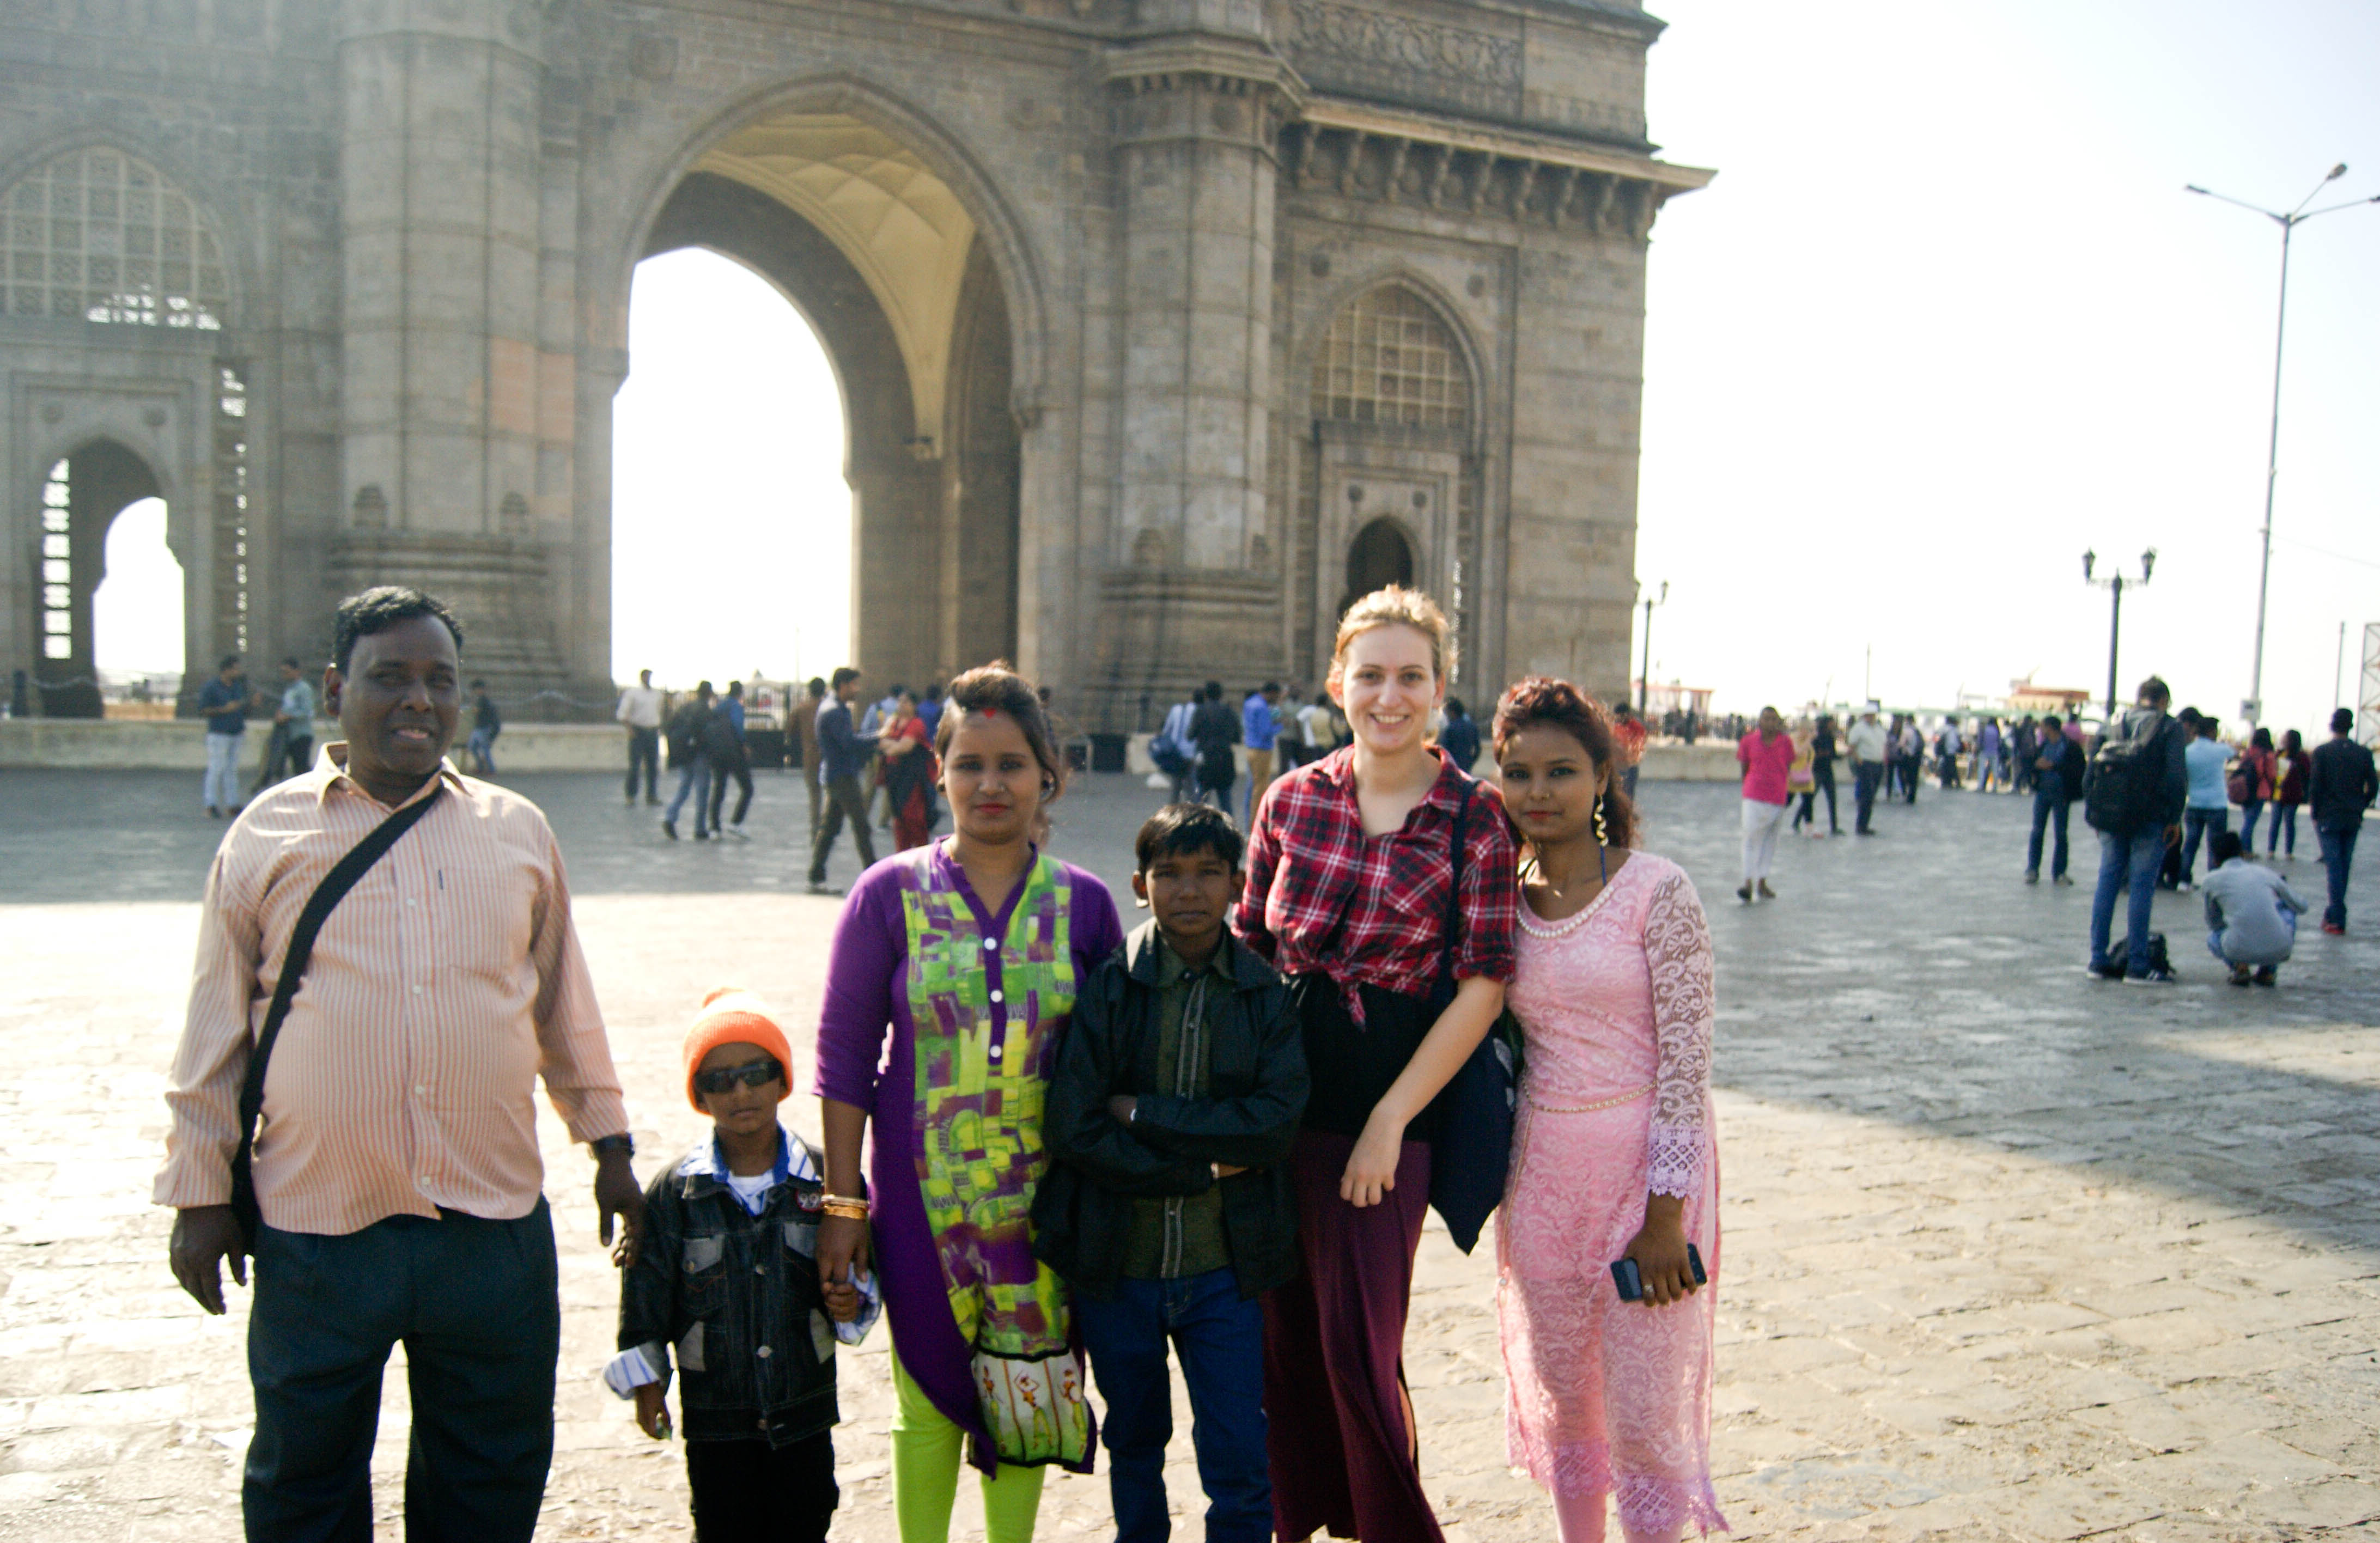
[1477, 1002]
[846, 1128]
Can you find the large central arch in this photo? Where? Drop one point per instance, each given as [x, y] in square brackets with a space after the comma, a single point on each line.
[885, 237]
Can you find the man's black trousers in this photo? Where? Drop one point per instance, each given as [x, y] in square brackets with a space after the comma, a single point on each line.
[475, 1304]
[845, 801]
[751, 1492]
[645, 755]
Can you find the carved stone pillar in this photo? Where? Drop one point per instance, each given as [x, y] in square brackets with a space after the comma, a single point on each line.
[1197, 117]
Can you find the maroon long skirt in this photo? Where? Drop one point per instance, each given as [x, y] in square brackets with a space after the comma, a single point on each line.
[1340, 1431]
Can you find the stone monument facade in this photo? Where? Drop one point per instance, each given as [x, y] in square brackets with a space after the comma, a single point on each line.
[1162, 325]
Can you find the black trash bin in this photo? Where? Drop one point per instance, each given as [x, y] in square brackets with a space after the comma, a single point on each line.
[1108, 751]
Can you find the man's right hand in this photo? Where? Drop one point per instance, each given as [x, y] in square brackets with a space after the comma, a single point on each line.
[204, 1237]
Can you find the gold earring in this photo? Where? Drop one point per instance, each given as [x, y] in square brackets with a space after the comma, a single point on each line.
[1602, 837]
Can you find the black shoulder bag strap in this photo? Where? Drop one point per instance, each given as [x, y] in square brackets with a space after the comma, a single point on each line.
[1457, 852]
[319, 906]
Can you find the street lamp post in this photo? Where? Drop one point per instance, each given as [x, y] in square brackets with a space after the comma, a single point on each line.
[2114, 583]
[2254, 708]
[1645, 680]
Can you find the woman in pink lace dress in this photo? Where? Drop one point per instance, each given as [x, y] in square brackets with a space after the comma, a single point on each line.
[1613, 1156]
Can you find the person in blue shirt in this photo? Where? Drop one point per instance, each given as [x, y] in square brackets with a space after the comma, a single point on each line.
[1259, 726]
[2209, 813]
[2057, 775]
[1459, 738]
[723, 743]
[224, 704]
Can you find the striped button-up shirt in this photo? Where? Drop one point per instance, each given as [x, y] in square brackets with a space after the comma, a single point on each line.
[441, 987]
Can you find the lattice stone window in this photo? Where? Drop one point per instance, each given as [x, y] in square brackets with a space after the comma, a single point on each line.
[57, 565]
[1390, 357]
[103, 235]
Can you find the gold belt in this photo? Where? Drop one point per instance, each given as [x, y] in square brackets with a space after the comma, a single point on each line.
[1612, 1103]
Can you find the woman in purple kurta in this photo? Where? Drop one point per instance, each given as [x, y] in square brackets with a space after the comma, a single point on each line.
[974, 995]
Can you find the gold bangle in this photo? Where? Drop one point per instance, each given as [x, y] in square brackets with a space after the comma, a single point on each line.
[860, 1200]
[849, 1210]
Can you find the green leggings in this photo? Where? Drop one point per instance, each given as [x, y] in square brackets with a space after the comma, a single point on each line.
[927, 1451]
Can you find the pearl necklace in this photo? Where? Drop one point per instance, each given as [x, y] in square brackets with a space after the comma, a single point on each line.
[1536, 927]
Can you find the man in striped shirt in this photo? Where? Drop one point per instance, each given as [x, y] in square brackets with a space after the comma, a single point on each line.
[396, 1165]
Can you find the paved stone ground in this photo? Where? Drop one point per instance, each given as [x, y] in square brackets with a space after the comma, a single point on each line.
[2010, 1254]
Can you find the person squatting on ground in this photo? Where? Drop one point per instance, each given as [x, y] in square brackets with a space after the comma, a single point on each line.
[687, 726]
[725, 1277]
[1613, 1157]
[843, 757]
[1766, 755]
[397, 1188]
[723, 747]
[1381, 882]
[1169, 1208]
[2055, 773]
[640, 714]
[2251, 915]
[2341, 787]
[970, 953]
[2133, 792]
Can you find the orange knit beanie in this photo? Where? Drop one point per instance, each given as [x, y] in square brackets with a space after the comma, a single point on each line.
[732, 1015]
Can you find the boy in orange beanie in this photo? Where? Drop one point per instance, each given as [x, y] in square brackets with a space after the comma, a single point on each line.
[727, 1273]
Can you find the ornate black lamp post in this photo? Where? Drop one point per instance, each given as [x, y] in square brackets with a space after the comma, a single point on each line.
[2114, 583]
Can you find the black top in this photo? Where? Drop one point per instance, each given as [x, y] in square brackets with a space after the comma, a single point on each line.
[2343, 786]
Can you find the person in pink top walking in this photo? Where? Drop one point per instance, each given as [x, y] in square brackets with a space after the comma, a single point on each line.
[1766, 755]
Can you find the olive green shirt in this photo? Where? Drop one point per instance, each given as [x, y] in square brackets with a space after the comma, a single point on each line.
[1182, 1235]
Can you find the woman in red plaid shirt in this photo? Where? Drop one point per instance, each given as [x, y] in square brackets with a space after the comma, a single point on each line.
[1352, 885]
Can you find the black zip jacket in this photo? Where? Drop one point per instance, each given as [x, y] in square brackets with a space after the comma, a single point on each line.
[1082, 1211]
[736, 1296]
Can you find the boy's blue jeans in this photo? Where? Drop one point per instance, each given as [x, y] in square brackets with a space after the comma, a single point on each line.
[1220, 1339]
[2126, 863]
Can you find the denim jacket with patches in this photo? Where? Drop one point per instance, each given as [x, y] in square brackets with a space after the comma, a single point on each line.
[736, 1297]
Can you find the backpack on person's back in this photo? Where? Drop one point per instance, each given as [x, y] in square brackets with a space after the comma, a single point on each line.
[2123, 788]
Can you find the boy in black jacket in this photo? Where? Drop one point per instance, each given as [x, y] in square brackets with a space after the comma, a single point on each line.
[727, 1273]
[1177, 1092]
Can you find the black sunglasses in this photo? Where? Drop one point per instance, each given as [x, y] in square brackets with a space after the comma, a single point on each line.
[752, 1074]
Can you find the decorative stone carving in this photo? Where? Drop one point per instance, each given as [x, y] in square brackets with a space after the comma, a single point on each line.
[1537, 186]
[512, 515]
[1351, 48]
[371, 508]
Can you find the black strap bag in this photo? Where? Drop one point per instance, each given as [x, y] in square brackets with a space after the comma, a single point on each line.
[1471, 1120]
[319, 906]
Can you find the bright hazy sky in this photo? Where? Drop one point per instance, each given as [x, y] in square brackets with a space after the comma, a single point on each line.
[1945, 318]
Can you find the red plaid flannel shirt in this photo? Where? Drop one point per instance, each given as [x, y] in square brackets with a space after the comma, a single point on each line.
[1309, 863]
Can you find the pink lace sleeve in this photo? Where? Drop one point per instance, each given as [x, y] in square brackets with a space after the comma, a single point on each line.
[1678, 951]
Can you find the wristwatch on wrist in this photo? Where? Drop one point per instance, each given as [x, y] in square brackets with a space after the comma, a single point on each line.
[611, 1146]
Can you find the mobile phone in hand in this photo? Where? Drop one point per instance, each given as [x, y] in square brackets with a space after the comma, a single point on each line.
[1631, 1281]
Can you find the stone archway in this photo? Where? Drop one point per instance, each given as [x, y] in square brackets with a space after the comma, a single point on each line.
[892, 272]
[1379, 556]
[80, 496]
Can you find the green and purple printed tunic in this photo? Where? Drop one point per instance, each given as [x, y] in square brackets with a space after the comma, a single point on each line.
[975, 1002]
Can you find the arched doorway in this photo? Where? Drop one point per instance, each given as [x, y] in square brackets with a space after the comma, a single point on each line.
[81, 494]
[1379, 555]
[1392, 474]
[728, 498]
[883, 259]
